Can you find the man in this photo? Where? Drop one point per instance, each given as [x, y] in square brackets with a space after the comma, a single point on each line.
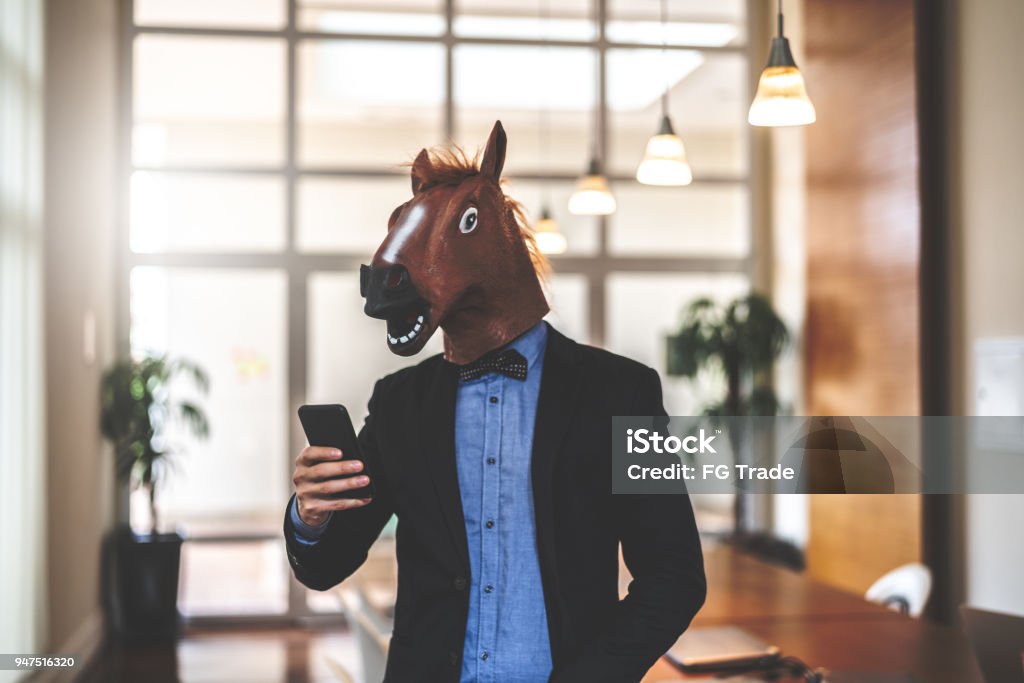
[496, 459]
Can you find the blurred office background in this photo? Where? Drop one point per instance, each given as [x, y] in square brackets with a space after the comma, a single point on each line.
[203, 178]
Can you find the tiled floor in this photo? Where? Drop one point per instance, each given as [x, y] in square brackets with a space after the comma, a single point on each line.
[252, 656]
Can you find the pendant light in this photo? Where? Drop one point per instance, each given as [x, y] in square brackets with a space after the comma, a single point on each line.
[592, 196]
[781, 98]
[664, 161]
[549, 239]
[546, 233]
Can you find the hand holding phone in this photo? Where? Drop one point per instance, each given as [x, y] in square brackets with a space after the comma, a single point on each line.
[329, 474]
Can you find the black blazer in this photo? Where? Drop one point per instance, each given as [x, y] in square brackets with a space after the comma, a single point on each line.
[408, 442]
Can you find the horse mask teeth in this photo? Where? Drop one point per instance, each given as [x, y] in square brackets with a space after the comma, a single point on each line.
[458, 255]
[403, 328]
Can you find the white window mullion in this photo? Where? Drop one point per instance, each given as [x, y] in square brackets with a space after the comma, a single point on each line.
[22, 514]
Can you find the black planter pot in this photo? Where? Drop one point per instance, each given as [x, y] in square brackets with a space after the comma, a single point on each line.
[140, 590]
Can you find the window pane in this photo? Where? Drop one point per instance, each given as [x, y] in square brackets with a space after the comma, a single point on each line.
[699, 220]
[233, 578]
[367, 103]
[347, 350]
[397, 17]
[568, 296]
[268, 14]
[519, 86]
[205, 212]
[644, 308]
[208, 101]
[347, 214]
[707, 102]
[566, 19]
[233, 324]
[580, 231]
[689, 22]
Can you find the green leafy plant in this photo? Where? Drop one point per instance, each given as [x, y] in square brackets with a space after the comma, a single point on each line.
[136, 411]
[742, 340]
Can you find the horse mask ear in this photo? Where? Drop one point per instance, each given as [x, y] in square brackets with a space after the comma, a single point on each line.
[494, 153]
[421, 169]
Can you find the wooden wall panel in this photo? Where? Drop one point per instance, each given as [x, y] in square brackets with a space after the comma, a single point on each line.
[861, 345]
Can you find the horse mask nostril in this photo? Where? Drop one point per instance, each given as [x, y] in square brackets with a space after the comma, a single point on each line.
[395, 278]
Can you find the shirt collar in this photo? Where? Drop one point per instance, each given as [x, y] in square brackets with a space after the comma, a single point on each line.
[531, 343]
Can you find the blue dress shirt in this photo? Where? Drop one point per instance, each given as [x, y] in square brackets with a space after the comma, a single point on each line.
[506, 629]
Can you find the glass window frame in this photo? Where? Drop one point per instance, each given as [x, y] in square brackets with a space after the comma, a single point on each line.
[300, 265]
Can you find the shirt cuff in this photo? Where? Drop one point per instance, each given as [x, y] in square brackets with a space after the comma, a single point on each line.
[304, 533]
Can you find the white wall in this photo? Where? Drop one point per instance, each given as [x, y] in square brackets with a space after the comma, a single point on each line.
[79, 190]
[989, 153]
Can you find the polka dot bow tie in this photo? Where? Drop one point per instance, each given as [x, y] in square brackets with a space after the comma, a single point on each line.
[509, 362]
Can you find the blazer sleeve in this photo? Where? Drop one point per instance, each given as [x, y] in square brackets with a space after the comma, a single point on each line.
[344, 545]
[662, 550]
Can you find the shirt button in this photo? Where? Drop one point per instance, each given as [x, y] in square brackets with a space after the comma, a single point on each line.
[491, 461]
[494, 399]
[488, 588]
[485, 656]
[490, 524]
[460, 584]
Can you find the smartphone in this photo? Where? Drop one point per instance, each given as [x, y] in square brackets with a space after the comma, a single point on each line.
[330, 426]
[724, 664]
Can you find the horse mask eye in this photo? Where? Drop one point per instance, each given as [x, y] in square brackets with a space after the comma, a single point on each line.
[468, 222]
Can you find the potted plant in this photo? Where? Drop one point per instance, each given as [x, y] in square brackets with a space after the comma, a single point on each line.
[742, 340]
[141, 570]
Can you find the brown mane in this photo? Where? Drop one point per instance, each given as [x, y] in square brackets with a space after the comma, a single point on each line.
[451, 166]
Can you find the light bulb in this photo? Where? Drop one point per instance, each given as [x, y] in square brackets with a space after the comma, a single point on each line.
[551, 242]
[592, 196]
[781, 99]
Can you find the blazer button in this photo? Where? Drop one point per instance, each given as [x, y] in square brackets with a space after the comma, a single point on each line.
[460, 584]
[453, 658]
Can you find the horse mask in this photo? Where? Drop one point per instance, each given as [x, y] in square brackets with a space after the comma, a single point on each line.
[457, 256]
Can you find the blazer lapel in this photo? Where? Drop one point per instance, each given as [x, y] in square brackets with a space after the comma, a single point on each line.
[438, 427]
[558, 400]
